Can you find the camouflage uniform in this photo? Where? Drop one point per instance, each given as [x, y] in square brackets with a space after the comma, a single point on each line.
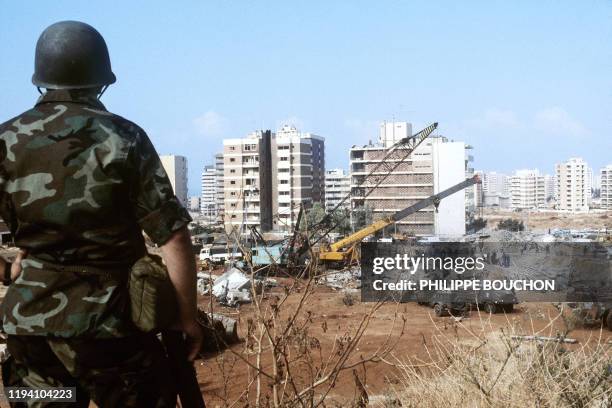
[77, 187]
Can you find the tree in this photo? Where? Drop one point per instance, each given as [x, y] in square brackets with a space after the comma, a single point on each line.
[313, 216]
[342, 221]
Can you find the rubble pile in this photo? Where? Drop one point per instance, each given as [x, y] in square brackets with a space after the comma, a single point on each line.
[348, 279]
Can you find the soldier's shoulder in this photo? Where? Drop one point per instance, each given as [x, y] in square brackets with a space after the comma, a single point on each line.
[10, 123]
[125, 128]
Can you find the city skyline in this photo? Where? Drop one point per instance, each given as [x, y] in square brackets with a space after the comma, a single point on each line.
[509, 79]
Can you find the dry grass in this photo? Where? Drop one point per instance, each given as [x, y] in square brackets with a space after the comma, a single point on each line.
[494, 370]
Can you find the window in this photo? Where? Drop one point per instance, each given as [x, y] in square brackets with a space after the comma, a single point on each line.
[233, 205]
[283, 158]
[284, 181]
[232, 148]
[232, 159]
[233, 193]
[233, 182]
[232, 170]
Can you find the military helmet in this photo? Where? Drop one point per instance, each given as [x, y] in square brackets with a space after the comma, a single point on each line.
[71, 55]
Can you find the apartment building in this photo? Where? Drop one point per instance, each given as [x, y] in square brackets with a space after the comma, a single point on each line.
[247, 181]
[573, 185]
[434, 166]
[208, 199]
[219, 187]
[495, 183]
[337, 186]
[605, 181]
[527, 189]
[299, 168]
[494, 190]
[266, 176]
[194, 205]
[176, 169]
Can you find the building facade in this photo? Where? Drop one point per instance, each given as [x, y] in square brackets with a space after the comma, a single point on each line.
[494, 190]
[176, 169]
[573, 185]
[435, 165]
[208, 200]
[337, 186]
[299, 169]
[267, 176]
[194, 204]
[527, 189]
[219, 188]
[605, 181]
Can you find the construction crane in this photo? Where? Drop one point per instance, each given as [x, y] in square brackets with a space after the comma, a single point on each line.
[290, 251]
[365, 185]
[344, 251]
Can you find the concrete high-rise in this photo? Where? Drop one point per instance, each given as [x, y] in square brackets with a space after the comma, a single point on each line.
[176, 169]
[267, 176]
[299, 169]
[208, 200]
[573, 185]
[606, 187]
[494, 191]
[434, 166]
[247, 181]
[337, 186]
[219, 187]
[527, 189]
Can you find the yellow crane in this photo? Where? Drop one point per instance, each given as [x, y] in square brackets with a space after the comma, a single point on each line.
[344, 250]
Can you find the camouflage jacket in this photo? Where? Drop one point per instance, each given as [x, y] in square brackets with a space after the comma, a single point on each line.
[78, 185]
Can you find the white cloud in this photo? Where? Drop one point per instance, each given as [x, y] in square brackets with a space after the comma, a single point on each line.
[558, 121]
[211, 123]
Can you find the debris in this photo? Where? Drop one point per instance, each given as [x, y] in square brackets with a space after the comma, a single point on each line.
[544, 338]
[219, 331]
[345, 279]
[233, 288]
[230, 281]
[235, 297]
[205, 281]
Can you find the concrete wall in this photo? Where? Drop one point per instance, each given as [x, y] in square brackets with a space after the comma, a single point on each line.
[449, 169]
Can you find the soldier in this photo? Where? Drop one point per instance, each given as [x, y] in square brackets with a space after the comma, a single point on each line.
[78, 185]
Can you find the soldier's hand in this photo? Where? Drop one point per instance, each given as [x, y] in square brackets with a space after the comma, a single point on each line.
[195, 336]
[16, 266]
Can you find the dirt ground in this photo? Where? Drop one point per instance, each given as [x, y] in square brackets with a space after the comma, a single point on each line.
[332, 317]
[542, 221]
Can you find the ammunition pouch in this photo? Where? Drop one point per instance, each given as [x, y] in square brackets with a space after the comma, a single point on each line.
[153, 301]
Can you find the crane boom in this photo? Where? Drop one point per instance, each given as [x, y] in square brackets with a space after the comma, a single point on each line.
[380, 224]
[394, 156]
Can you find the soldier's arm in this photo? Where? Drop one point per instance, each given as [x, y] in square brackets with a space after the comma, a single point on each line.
[165, 221]
[178, 255]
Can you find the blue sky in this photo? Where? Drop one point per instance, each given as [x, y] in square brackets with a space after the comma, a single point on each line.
[526, 83]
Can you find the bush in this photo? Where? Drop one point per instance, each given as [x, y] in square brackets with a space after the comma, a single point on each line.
[477, 224]
[511, 224]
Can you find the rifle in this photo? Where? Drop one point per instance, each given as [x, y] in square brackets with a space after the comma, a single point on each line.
[187, 385]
